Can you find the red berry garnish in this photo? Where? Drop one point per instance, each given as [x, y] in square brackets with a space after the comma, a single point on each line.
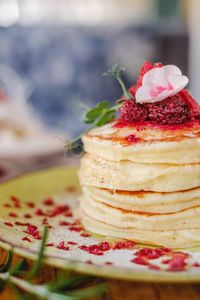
[62, 246]
[13, 215]
[196, 265]
[132, 139]
[154, 267]
[178, 262]
[8, 224]
[130, 111]
[26, 239]
[21, 224]
[172, 110]
[96, 249]
[150, 253]
[178, 109]
[85, 235]
[71, 243]
[140, 260]
[39, 212]
[123, 245]
[30, 204]
[27, 216]
[50, 245]
[64, 223]
[48, 201]
[33, 231]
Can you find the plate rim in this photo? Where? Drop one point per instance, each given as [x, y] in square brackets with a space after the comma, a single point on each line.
[109, 272]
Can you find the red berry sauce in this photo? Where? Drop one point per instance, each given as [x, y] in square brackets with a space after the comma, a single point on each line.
[8, 224]
[33, 231]
[132, 139]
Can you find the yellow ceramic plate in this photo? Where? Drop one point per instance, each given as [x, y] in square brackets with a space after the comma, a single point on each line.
[50, 197]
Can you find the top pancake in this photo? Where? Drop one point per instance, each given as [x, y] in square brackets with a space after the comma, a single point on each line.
[149, 143]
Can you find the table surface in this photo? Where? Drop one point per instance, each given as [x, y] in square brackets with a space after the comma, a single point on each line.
[120, 290]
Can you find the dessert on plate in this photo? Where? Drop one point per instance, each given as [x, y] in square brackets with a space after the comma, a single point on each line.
[22, 134]
[140, 173]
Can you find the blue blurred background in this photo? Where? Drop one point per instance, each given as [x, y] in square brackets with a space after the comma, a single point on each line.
[60, 48]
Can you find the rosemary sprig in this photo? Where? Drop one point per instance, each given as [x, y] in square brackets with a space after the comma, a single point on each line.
[37, 265]
[61, 289]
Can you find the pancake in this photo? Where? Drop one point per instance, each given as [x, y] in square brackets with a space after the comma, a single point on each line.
[150, 144]
[184, 238]
[185, 219]
[141, 178]
[150, 202]
[130, 176]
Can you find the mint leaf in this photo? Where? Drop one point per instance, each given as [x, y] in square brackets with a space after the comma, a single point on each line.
[101, 114]
[94, 113]
[105, 118]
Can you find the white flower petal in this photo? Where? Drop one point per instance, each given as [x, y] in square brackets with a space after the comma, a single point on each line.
[155, 76]
[142, 94]
[171, 69]
[178, 82]
[160, 83]
[160, 75]
[163, 95]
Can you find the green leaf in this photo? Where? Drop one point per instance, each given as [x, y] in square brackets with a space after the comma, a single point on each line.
[5, 268]
[94, 113]
[105, 118]
[97, 116]
[37, 265]
[19, 268]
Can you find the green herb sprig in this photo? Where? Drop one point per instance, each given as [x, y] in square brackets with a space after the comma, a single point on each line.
[63, 288]
[97, 116]
[103, 112]
[116, 71]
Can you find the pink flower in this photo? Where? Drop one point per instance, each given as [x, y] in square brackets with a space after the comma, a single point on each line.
[160, 83]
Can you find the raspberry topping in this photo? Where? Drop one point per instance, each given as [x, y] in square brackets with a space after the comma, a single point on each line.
[172, 110]
[178, 109]
[131, 111]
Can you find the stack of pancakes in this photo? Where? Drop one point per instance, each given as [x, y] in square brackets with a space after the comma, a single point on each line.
[142, 183]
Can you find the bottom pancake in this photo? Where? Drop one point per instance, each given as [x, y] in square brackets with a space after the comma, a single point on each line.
[172, 239]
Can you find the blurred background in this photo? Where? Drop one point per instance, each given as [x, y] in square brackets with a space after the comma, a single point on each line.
[53, 52]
